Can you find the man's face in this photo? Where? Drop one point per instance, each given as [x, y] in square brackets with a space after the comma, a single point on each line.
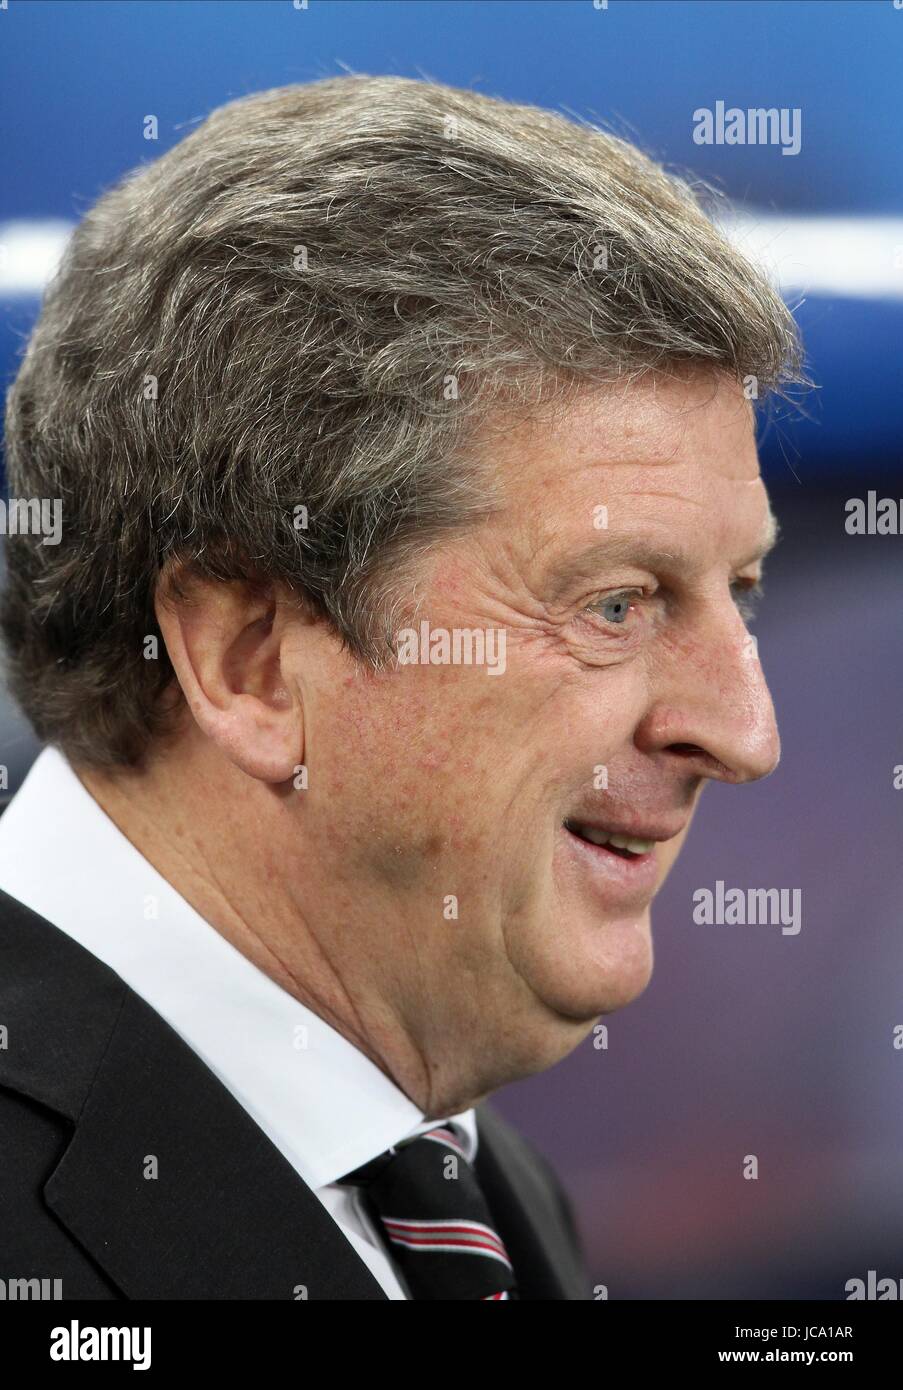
[454, 805]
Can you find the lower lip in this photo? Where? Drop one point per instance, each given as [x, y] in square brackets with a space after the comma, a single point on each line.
[630, 882]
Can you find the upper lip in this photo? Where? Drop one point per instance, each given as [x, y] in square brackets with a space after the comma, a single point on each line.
[634, 829]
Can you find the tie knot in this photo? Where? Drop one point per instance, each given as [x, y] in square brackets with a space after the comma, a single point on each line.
[442, 1135]
[433, 1212]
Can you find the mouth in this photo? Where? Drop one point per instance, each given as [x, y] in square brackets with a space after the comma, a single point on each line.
[620, 865]
[625, 846]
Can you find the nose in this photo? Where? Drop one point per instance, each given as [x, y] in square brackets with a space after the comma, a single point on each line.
[712, 708]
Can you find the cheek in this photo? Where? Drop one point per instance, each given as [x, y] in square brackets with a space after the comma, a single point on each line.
[406, 758]
[599, 719]
[435, 765]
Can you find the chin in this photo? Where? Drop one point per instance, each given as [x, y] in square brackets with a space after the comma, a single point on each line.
[610, 963]
[605, 965]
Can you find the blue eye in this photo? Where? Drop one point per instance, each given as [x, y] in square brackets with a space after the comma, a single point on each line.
[615, 608]
[746, 596]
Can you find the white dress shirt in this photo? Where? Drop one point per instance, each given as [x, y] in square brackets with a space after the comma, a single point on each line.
[321, 1101]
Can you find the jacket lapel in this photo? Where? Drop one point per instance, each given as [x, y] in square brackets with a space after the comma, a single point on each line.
[520, 1190]
[178, 1194]
[167, 1182]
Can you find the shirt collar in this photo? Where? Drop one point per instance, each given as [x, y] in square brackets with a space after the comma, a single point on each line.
[319, 1099]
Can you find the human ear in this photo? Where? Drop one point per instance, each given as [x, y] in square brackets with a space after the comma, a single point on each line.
[226, 641]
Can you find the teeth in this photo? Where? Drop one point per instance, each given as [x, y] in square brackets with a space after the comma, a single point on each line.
[628, 842]
[595, 837]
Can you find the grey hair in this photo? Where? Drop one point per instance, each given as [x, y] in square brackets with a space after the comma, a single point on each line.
[315, 300]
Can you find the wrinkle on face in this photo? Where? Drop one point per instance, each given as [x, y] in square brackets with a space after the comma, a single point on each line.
[436, 782]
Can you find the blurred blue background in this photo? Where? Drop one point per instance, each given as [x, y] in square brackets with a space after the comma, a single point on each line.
[747, 1041]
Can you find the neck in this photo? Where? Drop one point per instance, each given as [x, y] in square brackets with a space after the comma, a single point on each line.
[239, 873]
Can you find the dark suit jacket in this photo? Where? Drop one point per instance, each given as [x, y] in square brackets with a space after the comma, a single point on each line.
[92, 1081]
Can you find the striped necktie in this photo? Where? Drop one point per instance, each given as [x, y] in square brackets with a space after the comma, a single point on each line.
[426, 1197]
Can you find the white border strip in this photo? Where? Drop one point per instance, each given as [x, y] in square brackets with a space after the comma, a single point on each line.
[846, 257]
[30, 252]
[850, 257]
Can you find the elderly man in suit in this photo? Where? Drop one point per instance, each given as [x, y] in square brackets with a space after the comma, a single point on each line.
[405, 445]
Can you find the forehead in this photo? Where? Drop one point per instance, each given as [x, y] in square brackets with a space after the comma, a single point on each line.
[669, 462]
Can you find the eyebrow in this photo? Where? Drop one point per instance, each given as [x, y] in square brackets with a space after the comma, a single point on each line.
[627, 549]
